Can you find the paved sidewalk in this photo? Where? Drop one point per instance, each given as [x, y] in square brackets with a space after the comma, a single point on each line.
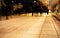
[48, 29]
[34, 31]
[29, 27]
[57, 26]
[19, 27]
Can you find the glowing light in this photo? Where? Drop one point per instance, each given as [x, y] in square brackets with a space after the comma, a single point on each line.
[12, 1]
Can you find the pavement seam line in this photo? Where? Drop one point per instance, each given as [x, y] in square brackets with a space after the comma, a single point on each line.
[42, 27]
[55, 27]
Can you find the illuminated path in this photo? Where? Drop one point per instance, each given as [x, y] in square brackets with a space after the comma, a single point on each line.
[28, 27]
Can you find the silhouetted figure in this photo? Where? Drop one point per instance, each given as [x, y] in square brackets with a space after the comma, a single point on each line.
[0, 13]
[0, 10]
[41, 7]
[6, 8]
[47, 11]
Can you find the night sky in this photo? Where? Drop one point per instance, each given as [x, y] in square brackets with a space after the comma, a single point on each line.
[18, 1]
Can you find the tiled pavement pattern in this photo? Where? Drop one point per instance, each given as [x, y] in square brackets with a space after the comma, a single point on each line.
[57, 25]
[14, 28]
[48, 29]
[28, 27]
